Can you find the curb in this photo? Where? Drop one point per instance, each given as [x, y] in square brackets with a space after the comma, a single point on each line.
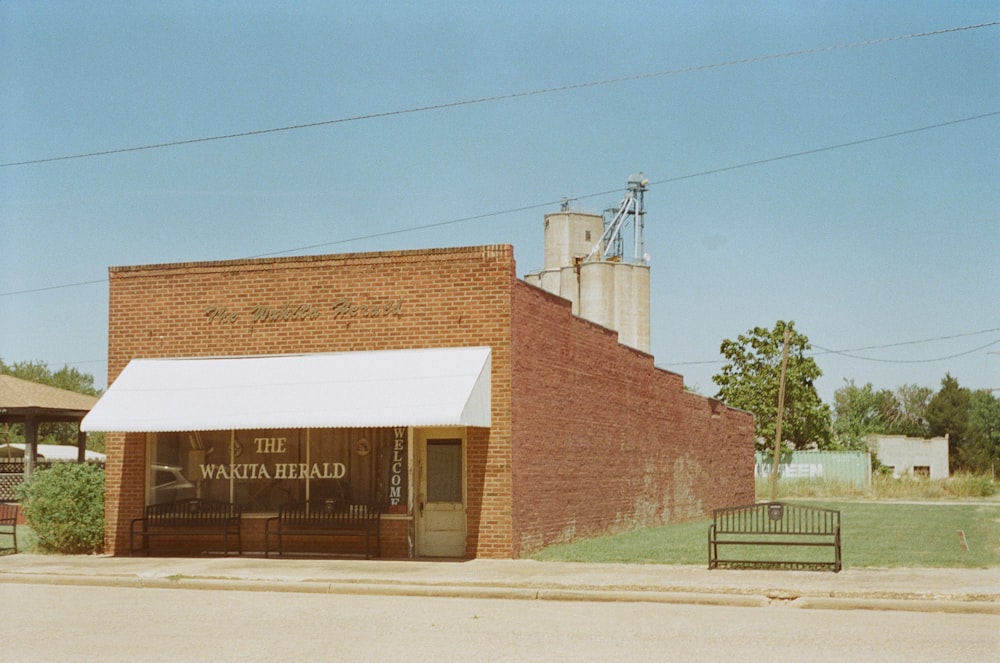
[905, 605]
[723, 598]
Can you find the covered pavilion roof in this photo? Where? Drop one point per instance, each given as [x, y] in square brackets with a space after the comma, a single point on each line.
[21, 400]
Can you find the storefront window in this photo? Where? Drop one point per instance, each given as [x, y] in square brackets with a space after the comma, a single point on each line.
[261, 470]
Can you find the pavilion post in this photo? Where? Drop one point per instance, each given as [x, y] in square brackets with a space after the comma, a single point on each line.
[30, 446]
[81, 444]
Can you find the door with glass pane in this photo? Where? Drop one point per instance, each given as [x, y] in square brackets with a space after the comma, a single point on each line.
[440, 500]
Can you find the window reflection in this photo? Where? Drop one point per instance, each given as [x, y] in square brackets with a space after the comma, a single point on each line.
[261, 470]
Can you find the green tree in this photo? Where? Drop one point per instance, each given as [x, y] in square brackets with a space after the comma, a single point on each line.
[912, 417]
[982, 453]
[750, 380]
[863, 411]
[66, 378]
[860, 412]
[948, 414]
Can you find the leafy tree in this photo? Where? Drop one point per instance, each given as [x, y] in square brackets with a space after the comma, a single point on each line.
[982, 454]
[860, 412]
[751, 377]
[863, 411]
[948, 414]
[913, 400]
[66, 378]
[971, 419]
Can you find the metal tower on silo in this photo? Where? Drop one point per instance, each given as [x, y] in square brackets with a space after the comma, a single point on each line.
[607, 281]
[630, 212]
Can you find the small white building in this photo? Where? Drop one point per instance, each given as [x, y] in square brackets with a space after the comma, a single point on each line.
[912, 456]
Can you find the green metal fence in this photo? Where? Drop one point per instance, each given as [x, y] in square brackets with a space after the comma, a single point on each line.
[852, 467]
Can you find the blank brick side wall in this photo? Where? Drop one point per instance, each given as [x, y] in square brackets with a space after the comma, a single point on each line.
[445, 298]
[603, 440]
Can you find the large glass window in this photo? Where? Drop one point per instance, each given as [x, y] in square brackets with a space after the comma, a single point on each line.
[261, 470]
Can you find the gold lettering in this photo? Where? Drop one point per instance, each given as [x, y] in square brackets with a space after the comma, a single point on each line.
[345, 308]
[271, 445]
[262, 313]
[252, 471]
[340, 308]
[220, 314]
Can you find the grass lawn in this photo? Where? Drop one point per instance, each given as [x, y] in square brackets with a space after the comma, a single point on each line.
[27, 542]
[873, 534]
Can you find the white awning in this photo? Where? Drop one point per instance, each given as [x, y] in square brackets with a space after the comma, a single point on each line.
[427, 387]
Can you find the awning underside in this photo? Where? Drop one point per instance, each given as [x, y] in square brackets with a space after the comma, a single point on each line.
[427, 387]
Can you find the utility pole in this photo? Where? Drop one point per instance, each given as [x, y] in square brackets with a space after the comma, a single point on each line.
[781, 411]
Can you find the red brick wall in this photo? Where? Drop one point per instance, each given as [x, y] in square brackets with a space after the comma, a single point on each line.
[603, 440]
[587, 436]
[444, 298]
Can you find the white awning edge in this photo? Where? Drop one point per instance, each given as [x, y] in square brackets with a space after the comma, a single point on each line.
[423, 387]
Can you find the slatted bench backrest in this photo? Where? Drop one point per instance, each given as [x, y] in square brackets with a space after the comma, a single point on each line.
[191, 513]
[776, 518]
[8, 513]
[322, 515]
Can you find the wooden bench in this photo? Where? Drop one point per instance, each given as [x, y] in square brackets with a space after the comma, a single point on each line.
[186, 518]
[329, 518]
[758, 531]
[8, 525]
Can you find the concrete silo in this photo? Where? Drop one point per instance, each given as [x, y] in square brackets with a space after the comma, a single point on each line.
[587, 261]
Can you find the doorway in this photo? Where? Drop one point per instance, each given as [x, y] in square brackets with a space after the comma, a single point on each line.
[440, 507]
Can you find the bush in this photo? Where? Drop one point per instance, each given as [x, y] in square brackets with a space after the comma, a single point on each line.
[64, 506]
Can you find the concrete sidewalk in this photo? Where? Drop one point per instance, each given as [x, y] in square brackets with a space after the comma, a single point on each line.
[940, 590]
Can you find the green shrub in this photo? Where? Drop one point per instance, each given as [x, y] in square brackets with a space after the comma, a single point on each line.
[64, 506]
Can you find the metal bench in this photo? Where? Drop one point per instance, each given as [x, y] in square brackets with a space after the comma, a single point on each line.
[8, 525]
[760, 531]
[186, 518]
[328, 518]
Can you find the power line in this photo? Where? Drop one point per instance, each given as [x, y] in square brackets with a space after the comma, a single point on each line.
[829, 148]
[523, 208]
[824, 351]
[502, 97]
[910, 361]
[668, 180]
[438, 224]
[846, 352]
[52, 287]
[896, 345]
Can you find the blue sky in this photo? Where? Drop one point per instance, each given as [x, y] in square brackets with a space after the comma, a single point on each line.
[875, 244]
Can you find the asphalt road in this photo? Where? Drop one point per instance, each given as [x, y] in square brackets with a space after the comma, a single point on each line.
[83, 623]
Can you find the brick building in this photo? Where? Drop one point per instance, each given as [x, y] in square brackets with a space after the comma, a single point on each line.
[475, 411]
